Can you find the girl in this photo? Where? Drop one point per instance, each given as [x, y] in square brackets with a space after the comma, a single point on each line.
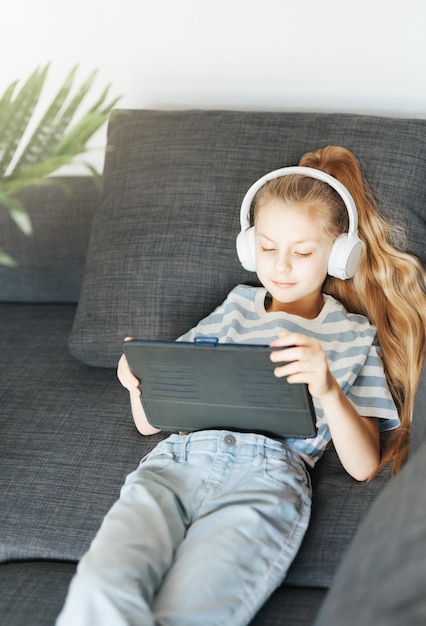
[207, 526]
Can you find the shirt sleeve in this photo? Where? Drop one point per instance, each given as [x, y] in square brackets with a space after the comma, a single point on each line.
[370, 393]
[210, 326]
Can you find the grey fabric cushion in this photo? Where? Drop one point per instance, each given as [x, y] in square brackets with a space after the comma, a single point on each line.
[382, 579]
[162, 248]
[338, 507]
[67, 437]
[34, 593]
[290, 605]
[418, 429]
[51, 261]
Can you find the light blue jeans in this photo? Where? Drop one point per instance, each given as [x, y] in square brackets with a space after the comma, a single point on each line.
[203, 532]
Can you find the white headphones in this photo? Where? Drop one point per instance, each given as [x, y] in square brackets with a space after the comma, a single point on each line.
[346, 251]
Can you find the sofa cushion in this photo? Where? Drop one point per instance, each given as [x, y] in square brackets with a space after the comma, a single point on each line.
[162, 248]
[382, 578]
[418, 429]
[34, 593]
[67, 437]
[50, 261]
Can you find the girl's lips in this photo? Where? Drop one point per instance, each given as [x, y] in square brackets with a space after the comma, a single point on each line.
[283, 285]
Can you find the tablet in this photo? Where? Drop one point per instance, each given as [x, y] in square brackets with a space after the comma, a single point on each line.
[207, 385]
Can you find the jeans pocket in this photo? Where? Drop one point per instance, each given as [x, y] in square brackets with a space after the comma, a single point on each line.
[276, 469]
[286, 472]
[159, 458]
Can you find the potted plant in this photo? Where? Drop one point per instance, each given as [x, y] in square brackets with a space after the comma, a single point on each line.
[27, 156]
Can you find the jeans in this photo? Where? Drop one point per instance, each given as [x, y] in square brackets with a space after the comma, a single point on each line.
[203, 532]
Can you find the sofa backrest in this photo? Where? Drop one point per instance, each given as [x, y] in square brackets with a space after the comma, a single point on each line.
[162, 249]
[50, 262]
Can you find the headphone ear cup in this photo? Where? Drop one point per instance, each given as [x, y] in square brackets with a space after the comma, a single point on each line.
[345, 256]
[246, 249]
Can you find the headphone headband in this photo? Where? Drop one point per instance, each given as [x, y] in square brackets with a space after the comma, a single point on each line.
[310, 172]
[347, 249]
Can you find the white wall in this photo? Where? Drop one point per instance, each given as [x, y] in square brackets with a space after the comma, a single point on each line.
[363, 56]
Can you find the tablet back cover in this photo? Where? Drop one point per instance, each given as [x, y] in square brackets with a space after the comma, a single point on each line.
[188, 386]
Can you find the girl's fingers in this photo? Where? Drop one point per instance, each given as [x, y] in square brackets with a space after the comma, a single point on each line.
[288, 354]
[294, 369]
[303, 361]
[126, 376]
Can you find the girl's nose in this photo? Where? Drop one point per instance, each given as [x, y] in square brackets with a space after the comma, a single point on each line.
[282, 265]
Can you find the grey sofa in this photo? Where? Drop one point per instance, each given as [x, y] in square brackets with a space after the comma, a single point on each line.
[148, 256]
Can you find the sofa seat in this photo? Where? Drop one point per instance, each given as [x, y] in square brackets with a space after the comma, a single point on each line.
[68, 441]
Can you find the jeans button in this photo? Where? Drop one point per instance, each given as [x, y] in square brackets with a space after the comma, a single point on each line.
[230, 440]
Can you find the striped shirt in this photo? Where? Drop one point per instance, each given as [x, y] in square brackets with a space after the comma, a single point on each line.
[348, 340]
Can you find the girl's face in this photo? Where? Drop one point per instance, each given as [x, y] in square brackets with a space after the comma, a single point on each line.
[292, 253]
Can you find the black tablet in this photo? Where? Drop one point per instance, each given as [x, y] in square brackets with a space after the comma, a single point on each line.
[208, 385]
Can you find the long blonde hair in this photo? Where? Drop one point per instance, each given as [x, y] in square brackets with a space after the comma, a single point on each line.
[388, 286]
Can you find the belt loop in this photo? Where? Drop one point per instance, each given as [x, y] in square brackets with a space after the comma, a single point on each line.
[261, 447]
[185, 442]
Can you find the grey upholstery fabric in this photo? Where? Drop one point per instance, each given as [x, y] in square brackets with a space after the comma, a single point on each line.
[34, 592]
[50, 261]
[162, 250]
[382, 579]
[290, 606]
[156, 265]
[67, 437]
[68, 441]
[339, 506]
[418, 428]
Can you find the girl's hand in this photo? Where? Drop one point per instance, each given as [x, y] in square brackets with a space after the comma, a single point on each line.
[126, 376]
[305, 362]
[131, 383]
[355, 438]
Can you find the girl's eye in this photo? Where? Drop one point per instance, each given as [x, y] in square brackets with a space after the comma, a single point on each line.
[263, 249]
[303, 255]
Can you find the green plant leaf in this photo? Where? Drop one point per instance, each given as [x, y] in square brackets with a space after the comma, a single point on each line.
[108, 110]
[36, 174]
[48, 138]
[56, 141]
[55, 127]
[17, 212]
[75, 141]
[22, 219]
[46, 134]
[97, 178]
[19, 115]
[97, 105]
[6, 259]
[5, 112]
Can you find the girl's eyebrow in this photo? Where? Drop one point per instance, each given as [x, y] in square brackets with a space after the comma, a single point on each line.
[294, 242]
[264, 236]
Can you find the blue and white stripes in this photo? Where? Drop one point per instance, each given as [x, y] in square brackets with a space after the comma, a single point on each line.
[349, 341]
